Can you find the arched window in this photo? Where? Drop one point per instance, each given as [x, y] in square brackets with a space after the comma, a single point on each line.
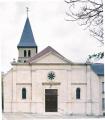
[25, 53]
[23, 93]
[78, 93]
[29, 53]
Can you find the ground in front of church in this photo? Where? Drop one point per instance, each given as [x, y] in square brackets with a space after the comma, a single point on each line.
[24, 116]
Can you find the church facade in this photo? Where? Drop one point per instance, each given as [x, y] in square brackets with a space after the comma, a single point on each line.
[48, 83]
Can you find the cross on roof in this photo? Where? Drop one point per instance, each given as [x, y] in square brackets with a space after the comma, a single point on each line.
[27, 9]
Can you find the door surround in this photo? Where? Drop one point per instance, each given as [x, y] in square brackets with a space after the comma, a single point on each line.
[51, 100]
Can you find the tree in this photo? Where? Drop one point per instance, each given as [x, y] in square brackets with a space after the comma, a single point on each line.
[88, 13]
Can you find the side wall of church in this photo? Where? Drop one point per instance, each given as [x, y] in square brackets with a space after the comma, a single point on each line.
[84, 78]
[7, 91]
[102, 95]
[22, 79]
[77, 79]
[96, 91]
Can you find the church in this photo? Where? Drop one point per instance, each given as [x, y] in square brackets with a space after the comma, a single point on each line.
[47, 83]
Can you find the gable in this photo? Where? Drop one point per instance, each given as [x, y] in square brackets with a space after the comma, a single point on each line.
[49, 55]
[50, 58]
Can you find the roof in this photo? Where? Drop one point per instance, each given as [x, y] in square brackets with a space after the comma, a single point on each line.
[45, 51]
[27, 38]
[98, 68]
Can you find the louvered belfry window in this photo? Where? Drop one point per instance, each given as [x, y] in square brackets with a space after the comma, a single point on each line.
[29, 53]
[25, 53]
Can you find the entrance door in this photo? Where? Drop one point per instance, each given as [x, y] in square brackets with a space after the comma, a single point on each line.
[51, 100]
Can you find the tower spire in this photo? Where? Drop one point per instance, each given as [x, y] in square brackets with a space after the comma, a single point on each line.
[27, 10]
[27, 46]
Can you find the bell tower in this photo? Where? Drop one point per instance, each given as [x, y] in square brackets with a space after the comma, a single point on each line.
[27, 46]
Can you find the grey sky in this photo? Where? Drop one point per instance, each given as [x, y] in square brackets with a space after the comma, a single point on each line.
[49, 27]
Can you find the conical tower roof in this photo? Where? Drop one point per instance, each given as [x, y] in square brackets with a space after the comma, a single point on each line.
[27, 38]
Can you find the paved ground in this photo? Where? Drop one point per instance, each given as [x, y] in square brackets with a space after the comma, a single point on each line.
[23, 116]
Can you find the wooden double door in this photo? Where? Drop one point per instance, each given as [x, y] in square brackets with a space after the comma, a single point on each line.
[51, 100]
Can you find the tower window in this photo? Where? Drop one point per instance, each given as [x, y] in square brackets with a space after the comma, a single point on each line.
[25, 53]
[23, 93]
[78, 93]
[29, 53]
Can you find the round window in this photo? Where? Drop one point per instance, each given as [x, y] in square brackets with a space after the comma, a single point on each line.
[51, 75]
